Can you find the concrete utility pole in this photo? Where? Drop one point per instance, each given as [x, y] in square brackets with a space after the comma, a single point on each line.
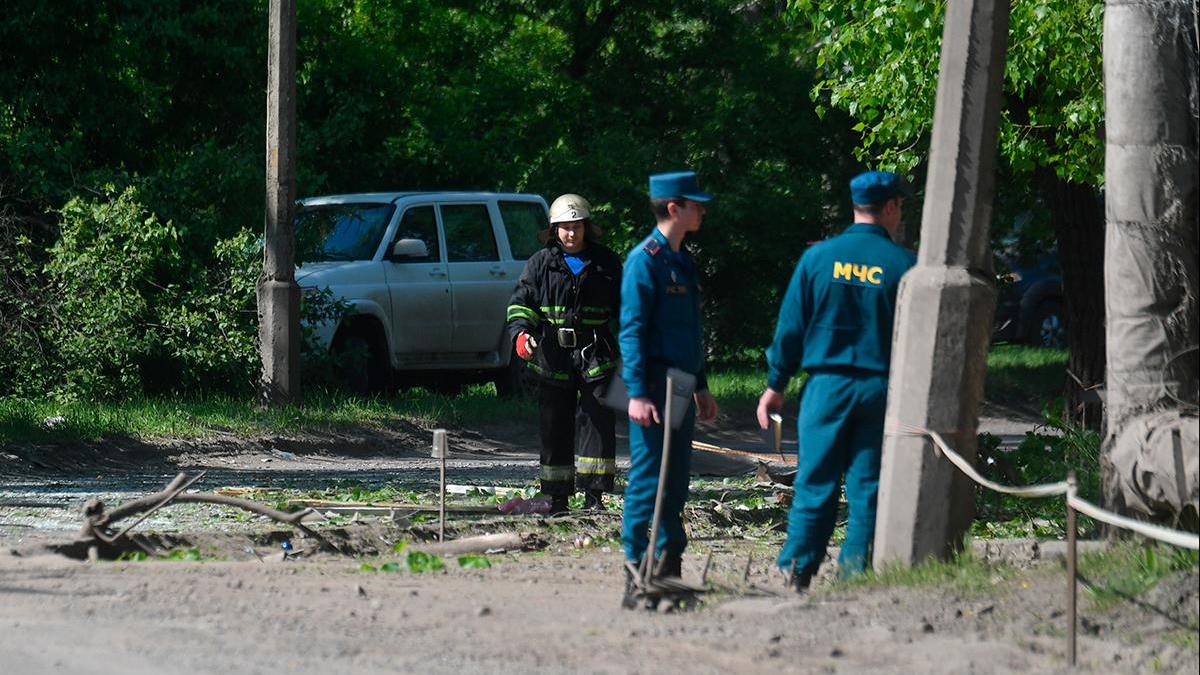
[278, 294]
[946, 303]
[1151, 254]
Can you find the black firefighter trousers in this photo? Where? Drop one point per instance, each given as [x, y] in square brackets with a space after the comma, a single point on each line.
[579, 439]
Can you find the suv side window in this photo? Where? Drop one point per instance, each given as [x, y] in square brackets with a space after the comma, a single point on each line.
[419, 222]
[523, 221]
[469, 234]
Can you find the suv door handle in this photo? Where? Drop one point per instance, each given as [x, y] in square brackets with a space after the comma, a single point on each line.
[497, 271]
[437, 272]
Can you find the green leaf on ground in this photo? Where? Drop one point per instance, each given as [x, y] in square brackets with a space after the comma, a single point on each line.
[474, 562]
[419, 561]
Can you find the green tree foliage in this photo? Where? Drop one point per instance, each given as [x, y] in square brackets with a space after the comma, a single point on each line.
[876, 58]
[162, 102]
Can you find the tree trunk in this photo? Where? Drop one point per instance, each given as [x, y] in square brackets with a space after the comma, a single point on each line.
[1150, 460]
[1078, 219]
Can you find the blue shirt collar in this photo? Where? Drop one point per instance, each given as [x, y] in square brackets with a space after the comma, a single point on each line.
[660, 238]
[868, 228]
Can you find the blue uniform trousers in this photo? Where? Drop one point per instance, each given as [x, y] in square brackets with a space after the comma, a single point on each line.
[645, 457]
[841, 433]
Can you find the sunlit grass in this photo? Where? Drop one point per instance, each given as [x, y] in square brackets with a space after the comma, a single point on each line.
[963, 574]
[1014, 373]
[54, 421]
[1130, 569]
[1025, 376]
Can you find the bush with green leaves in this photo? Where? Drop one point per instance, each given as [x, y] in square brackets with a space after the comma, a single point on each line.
[111, 259]
[1041, 457]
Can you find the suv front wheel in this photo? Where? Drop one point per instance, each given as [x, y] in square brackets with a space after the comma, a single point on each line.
[361, 364]
[1048, 327]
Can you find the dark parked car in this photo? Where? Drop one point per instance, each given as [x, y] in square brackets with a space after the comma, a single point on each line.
[1029, 304]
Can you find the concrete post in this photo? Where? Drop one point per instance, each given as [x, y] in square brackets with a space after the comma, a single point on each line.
[946, 303]
[278, 294]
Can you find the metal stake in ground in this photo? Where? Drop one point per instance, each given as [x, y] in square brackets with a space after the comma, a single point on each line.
[439, 452]
[1071, 571]
[648, 558]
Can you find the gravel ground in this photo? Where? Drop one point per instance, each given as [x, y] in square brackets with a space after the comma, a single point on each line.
[554, 610]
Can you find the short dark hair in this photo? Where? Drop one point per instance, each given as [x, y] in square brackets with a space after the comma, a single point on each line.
[659, 206]
[876, 208]
[871, 209]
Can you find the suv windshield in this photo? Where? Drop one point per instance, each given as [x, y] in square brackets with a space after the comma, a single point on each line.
[340, 231]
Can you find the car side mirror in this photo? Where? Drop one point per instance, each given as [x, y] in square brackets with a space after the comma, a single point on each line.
[410, 248]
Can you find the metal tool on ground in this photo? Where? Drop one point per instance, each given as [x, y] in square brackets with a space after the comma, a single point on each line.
[439, 453]
[648, 586]
[664, 463]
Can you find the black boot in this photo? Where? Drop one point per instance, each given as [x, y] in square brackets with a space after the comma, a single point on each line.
[593, 500]
[799, 581]
[670, 565]
[558, 505]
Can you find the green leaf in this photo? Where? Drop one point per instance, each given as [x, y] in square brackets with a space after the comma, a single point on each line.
[419, 562]
[474, 562]
[392, 566]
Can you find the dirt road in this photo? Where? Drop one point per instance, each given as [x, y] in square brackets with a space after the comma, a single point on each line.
[538, 613]
[555, 610]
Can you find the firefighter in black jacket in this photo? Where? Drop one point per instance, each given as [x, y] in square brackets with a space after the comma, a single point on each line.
[560, 319]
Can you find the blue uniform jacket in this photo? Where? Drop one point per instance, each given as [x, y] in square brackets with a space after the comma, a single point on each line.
[840, 306]
[660, 317]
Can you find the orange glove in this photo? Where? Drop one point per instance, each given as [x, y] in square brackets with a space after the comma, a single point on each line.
[525, 346]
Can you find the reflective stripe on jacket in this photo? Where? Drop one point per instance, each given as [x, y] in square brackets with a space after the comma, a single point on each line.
[549, 297]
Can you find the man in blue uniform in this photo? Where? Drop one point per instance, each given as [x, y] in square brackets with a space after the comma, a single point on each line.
[660, 329]
[836, 323]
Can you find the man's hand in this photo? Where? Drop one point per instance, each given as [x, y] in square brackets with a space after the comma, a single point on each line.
[706, 406]
[525, 346]
[642, 412]
[771, 401]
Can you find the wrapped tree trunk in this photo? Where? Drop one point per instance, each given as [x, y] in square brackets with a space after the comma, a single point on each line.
[1150, 456]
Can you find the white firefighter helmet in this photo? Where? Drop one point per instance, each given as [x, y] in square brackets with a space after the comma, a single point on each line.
[569, 207]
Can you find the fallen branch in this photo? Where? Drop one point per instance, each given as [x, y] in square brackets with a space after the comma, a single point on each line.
[98, 521]
[504, 541]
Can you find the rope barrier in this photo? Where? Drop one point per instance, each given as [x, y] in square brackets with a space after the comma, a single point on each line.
[1028, 491]
[1074, 504]
[1164, 534]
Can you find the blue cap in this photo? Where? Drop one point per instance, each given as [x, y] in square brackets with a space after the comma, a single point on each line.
[876, 187]
[675, 185]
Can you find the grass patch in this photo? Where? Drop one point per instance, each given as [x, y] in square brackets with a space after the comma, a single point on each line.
[962, 574]
[1130, 569]
[1015, 373]
[49, 421]
[739, 387]
[1021, 375]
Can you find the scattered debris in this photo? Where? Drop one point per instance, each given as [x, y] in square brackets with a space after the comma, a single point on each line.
[521, 506]
[97, 539]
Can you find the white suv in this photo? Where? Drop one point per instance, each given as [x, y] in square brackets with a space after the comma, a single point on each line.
[427, 275]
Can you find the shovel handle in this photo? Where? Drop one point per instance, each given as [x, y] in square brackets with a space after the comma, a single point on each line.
[648, 557]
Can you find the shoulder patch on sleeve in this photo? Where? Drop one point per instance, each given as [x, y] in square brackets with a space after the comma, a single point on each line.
[651, 247]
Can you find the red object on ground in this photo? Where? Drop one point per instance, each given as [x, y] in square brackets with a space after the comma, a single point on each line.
[517, 506]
